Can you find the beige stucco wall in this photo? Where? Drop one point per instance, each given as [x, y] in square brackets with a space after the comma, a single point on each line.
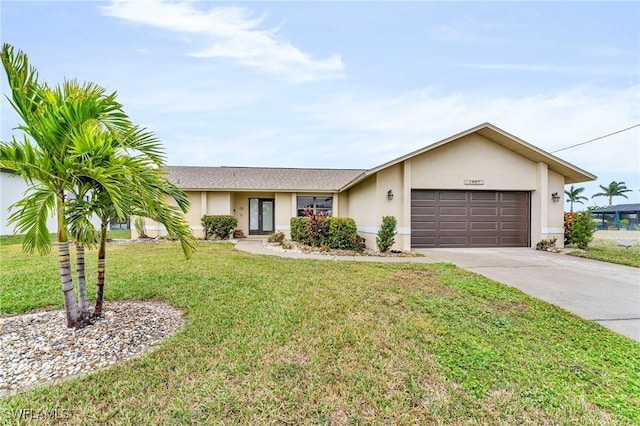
[237, 204]
[472, 157]
[368, 203]
[218, 203]
[547, 216]
[285, 209]
[555, 220]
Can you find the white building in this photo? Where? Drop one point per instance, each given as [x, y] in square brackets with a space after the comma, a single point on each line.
[12, 189]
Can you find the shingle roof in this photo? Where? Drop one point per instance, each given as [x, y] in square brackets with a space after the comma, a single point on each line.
[260, 178]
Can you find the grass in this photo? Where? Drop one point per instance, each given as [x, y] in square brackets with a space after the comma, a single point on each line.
[610, 251]
[273, 340]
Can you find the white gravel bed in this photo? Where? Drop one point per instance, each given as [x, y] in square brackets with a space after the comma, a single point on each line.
[39, 348]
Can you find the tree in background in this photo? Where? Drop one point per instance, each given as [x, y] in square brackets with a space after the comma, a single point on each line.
[573, 196]
[614, 189]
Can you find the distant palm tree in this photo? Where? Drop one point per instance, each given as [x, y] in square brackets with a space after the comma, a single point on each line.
[573, 196]
[615, 189]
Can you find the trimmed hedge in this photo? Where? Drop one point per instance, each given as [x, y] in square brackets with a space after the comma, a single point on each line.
[343, 233]
[218, 226]
[331, 232]
[300, 229]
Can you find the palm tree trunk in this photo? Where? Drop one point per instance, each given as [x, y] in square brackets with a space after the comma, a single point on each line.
[64, 262]
[70, 303]
[102, 254]
[82, 282]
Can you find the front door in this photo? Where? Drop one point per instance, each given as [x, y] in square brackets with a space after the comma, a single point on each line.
[261, 216]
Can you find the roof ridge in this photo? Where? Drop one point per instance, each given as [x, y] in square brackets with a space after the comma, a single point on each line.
[269, 168]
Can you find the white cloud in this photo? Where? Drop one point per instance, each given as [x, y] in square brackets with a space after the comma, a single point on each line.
[381, 129]
[537, 68]
[468, 30]
[231, 33]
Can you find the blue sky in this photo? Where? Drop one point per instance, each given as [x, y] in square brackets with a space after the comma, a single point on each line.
[350, 84]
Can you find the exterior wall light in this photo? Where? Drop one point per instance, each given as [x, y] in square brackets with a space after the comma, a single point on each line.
[555, 197]
[389, 195]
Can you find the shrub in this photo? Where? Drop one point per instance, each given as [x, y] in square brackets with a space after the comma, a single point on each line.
[323, 231]
[318, 227]
[568, 226]
[277, 238]
[342, 233]
[386, 234]
[140, 227]
[583, 229]
[300, 229]
[218, 226]
[546, 244]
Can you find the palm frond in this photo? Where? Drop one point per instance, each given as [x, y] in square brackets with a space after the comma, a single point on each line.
[30, 218]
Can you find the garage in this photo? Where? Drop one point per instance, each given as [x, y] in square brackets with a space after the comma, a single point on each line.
[469, 218]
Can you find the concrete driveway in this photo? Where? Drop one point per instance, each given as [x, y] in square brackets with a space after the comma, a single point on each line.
[603, 292]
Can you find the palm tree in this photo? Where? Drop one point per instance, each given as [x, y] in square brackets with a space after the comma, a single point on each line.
[86, 158]
[615, 189]
[45, 157]
[146, 195]
[573, 196]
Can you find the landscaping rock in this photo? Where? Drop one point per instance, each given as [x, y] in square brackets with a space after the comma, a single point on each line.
[37, 349]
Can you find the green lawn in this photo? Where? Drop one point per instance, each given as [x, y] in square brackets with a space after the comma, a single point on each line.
[283, 341]
[610, 251]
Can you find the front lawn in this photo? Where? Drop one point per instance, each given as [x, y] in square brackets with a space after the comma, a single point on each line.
[273, 340]
[611, 251]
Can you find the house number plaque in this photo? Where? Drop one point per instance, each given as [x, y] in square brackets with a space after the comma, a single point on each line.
[473, 182]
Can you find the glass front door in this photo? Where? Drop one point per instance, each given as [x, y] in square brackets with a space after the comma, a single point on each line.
[261, 216]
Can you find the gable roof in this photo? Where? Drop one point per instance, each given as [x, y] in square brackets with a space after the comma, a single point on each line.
[572, 174]
[260, 178]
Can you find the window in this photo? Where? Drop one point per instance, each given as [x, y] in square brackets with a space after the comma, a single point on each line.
[317, 204]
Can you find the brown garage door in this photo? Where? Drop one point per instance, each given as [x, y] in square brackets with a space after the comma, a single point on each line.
[469, 218]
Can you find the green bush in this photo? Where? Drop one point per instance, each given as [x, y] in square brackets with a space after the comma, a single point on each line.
[218, 226]
[343, 233]
[583, 229]
[300, 229]
[387, 233]
[323, 231]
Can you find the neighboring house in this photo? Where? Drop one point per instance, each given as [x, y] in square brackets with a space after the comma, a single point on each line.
[614, 214]
[480, 188]
[13, 189]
